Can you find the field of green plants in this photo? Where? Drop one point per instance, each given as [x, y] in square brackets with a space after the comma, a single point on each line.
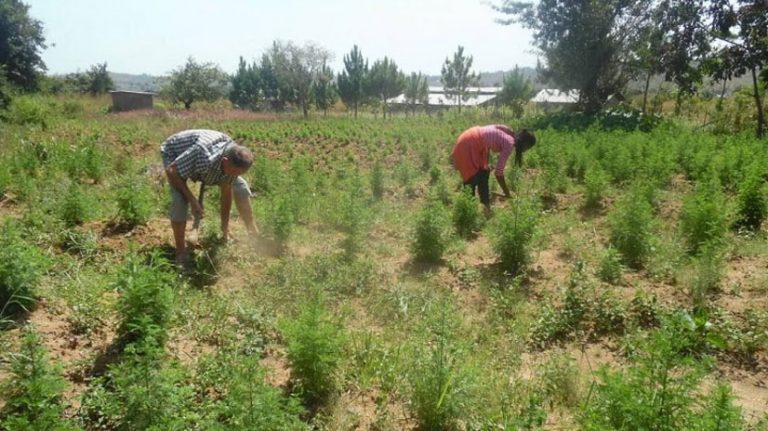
[623, 287]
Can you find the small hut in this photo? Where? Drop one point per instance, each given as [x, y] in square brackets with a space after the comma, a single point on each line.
[131, 100]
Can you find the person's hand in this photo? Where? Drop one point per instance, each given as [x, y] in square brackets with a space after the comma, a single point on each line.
[197, 209]
[501, 197]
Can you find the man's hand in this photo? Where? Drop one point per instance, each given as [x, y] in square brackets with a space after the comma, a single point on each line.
[500, 196]
[197, 209]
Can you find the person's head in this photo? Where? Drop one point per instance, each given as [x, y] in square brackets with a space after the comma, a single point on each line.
[236, 161]
[524, 141]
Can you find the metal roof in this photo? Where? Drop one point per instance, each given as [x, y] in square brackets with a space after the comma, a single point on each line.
[549, 95]
[437, 97]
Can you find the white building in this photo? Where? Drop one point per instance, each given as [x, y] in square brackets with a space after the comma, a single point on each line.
[553, 98]
[480, 96]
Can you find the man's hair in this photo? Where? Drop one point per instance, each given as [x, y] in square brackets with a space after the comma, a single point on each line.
[239, 156]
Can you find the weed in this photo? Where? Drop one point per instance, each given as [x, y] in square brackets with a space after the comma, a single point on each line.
[610, 269]
[280, 220]
[75, 207]
[134, 200]
[559, 380]
[377, 180]
[752, 201]
[704, 216]
[596, 182]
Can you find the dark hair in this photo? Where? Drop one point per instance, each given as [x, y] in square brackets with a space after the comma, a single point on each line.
[524, 140]
[239, 156]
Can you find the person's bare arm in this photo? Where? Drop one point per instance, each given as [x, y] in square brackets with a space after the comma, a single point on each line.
[503, 184]
[181, 185]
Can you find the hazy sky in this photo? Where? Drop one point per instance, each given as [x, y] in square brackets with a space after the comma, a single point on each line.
[156, 36]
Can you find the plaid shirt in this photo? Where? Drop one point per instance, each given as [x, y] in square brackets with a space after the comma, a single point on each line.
[197, 155]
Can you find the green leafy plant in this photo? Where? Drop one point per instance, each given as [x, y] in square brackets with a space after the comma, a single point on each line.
[21, 266]
[704, 216]
[315, 340]
[610, 268]
[752, 206]
[33, 394]
[630, 229]
[146, 300]
[280, 219]
[134, 200]
[354, 216]
[596, 182]
[430, 237]
[466, 214]
[512, 235]
[377, 180]
[76, 206]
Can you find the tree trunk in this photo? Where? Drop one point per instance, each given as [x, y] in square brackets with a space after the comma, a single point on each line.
[678, 103]
[759, 104]
[355, 107]
[645, 93]
[187, 104]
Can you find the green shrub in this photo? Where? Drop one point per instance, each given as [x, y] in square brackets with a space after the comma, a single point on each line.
[141, 392]
[512, 234]
[265, 175]
[704, 216]
[75, 207]
[146, 300]
[355, 216]
[630, 229]
[752, 202]
[610, 266]
[301, 188]
[559, 380]
[719, 412]
[33, 393]
[708, 267]
[280, 220]
[134, 201]
[596, 182]
[29, 111]
[21, 266]
[247, 401]
[441, 382]
[466, 213]
[430, 237]
[315, 340]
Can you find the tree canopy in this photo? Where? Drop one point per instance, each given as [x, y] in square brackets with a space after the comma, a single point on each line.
[457, 76]
[21, 40]
[195, 82]
[352, 79]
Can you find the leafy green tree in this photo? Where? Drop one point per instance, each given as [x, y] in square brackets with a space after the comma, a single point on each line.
[352, 79]
[296, 68]
[21, 39]
[385, 81]
[245, 91]
[195, 82]
[585, 45]
[457, 76]
[743, 25]
[98, 79]
[416, 90]
[516, 91]
[326, 93]
[270, 86]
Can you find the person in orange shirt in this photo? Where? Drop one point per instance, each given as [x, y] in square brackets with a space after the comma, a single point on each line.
[470, 156]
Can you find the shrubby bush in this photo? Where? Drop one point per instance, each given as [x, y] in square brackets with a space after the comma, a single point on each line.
[752, 206]
[377, 180]
[631, 224]
[466, 213]
[596, 182]
[33, 393]
[21, 266]
[146, 300]
[76, 206]
[431, 233]
[29, 111]
[704, 216]
[315, 340]
[512, 233]
[134, 200]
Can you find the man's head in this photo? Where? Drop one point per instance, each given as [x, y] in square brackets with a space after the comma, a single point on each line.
[236, 161]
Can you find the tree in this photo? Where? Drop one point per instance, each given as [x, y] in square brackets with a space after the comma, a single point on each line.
[352, 79]
[416, 91]
[385, 81]
[457, 77]
[98, 80]
[325, 89]
[296, 68]
[270, 87]
[585, 45]
[195, 82]
[747, 49]
[245, 91]
[21, 39]
[516, 91]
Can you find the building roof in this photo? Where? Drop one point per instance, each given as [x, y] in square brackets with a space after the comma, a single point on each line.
[550, 95]
[132, 92]
[437, 97]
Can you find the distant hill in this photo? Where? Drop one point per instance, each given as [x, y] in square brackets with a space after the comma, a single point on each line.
[143, 82]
